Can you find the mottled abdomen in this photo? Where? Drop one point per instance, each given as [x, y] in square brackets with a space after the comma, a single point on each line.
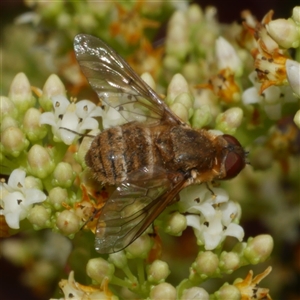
[120, 150]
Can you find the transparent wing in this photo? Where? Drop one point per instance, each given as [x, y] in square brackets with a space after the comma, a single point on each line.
[117, 84]
[133, 206]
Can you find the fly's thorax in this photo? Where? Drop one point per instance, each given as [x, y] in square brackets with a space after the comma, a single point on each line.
[121, 150]
[183, 149]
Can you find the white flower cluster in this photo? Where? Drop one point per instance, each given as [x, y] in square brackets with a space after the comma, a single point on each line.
[18, 196]
[67, 119]
[212, 216]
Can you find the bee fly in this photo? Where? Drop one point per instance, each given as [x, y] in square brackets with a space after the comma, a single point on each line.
[150, 158]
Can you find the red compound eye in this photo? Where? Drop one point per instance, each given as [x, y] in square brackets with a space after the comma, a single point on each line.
[235, 158]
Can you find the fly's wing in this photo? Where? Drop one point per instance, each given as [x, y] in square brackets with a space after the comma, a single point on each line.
[117, 84]
[133, 206]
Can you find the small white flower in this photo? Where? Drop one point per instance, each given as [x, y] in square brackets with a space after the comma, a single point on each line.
[16, 199]
[212, 215]
[271, 99]
[77, 117]
[213, 230]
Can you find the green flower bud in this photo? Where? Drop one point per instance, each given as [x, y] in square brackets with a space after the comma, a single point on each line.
[229, 261]
[58, 195]
[63, 175]
[230, 120]
[33, 183]
[158, 271]
[177, 42]
[186, 99]
[177, 86]
[175, 224]
[181, 111]
[228, 292]
[140, 247]
[68, 222]
[195, 293]
[98, 269]
[31, 125]
[13, 141]
[163, 291]
[206, 264]
[7, 108]
[149, 80]
[20, 92]
[194, 14]
[53, 87]
[39, 216]
[8, 122]
[284, 32]
[201, 117]
[119, 259]
[259, 248]
[297, 118]
[40, 163]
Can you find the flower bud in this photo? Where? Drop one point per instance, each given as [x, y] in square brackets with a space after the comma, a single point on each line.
[63, 175]
[194, 14]
[52, 87]
[98, 269]
[229, 261]
[68, 222]
[7, 108]
[149, 80]
[40, 163]
[206, 264]
[259, 248]
[284, 32]
[163, 291]
[201, 117]
[227, 56]
[228, 292]
[20, 92]
[297, 118]
[177, 43]
[158, 271]
[140, 247]
[33, 183]
[13, 140]
[195, 293]
[31, 125]
[58, 195]
[181, 111]
[39, 216]
[177, 86]
[175, 224]
[119, 259]
[293, 75]
[230, 120]
[8, 122]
